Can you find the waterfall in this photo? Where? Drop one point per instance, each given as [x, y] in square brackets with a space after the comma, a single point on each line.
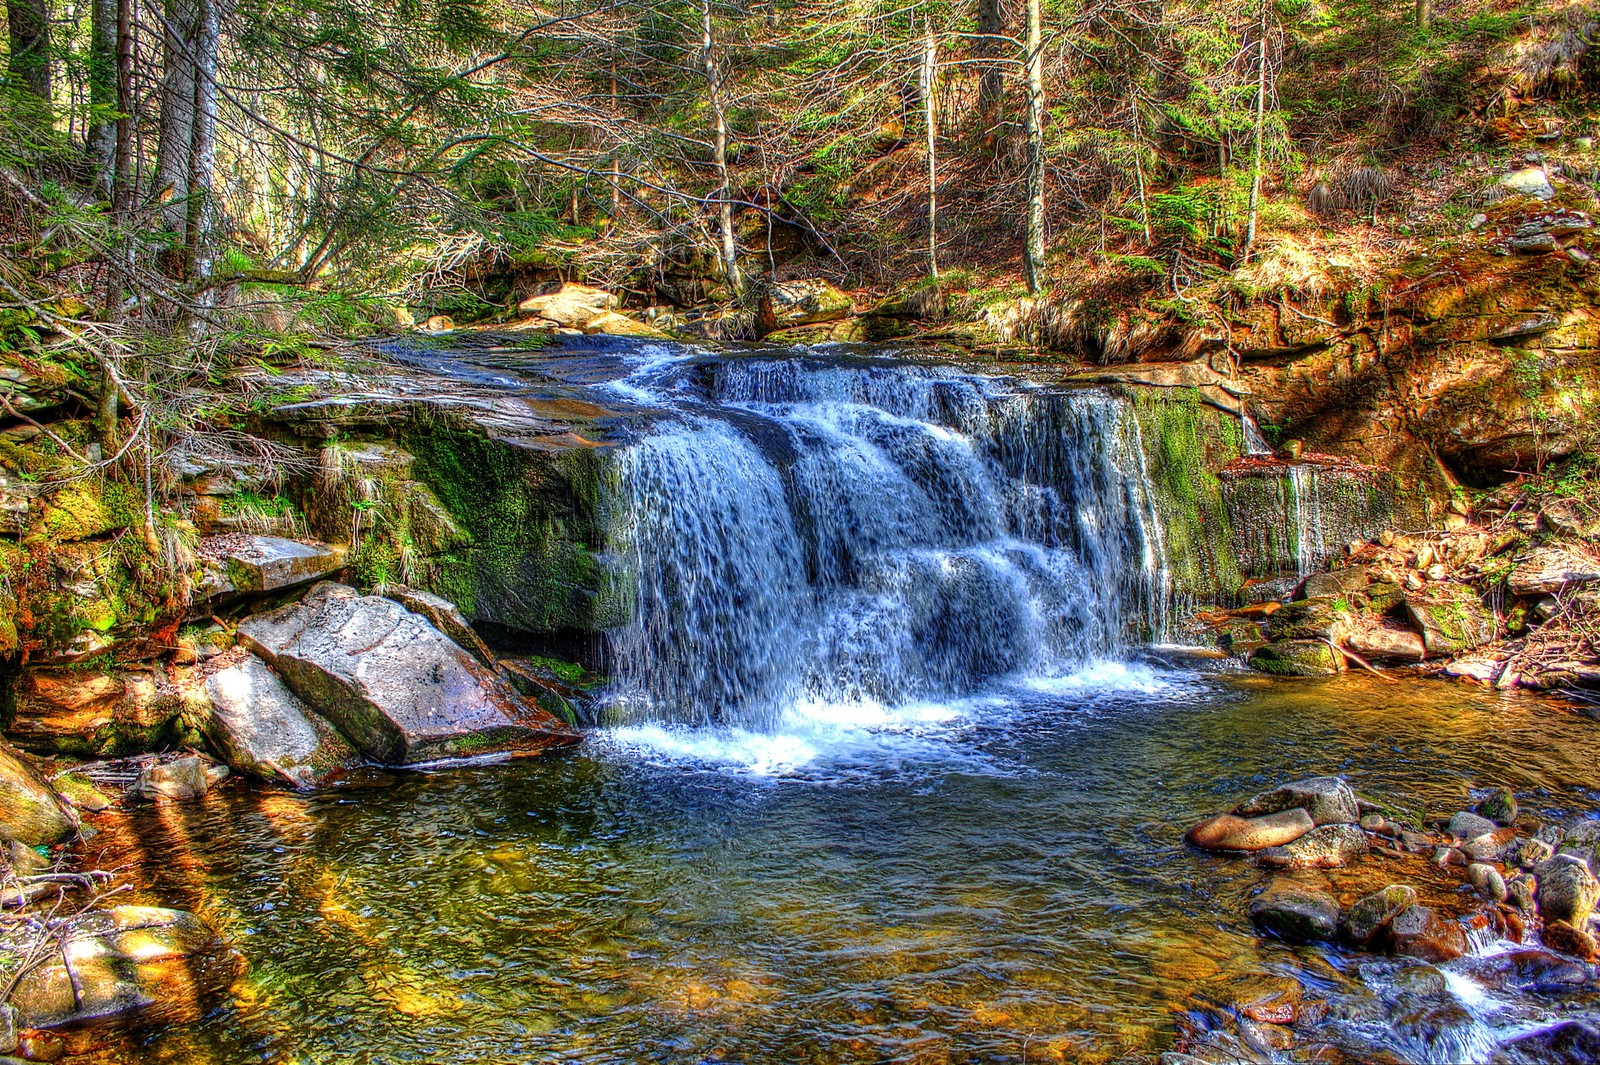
[809, 531]
[1310, 546]
[1254, 443]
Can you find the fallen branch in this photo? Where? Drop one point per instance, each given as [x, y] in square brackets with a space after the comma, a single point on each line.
[1362, 662]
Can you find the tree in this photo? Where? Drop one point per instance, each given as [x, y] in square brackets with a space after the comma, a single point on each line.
[1033, 249]
[28, 28]
[928, 79]
[719, 152]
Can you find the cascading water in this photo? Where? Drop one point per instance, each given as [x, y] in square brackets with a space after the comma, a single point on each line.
[817, 532]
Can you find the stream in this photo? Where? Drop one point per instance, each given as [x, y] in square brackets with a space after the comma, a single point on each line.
[893, 766]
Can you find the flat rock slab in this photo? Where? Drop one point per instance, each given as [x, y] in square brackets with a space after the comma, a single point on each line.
[399, 689]
[267, 563]
[1548, 570]
[261, 728]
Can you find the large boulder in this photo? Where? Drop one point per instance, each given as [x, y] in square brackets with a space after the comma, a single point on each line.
[1451, 618]
[30, 810]
[258, 725]
[156, 964]
[620, 325]
[1568, 891]
[398, 688]
[1297, 658]
[1329, 801]
[574, 306]
[1371, 914]
[787, 304]
[444, 616]
[1324, 848]
[1419, 932]
[1386, 643]
[1323, 618]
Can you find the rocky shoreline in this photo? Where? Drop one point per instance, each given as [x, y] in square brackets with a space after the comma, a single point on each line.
[1481, 876]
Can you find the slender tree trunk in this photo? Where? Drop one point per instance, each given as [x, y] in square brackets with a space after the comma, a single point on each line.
[175, 142]
[201, 217]
[991, 82]
[1260, 129]
[28, 28]
[1424, 13]
[1033, 250]
[104, 38]
[1138, 171]
[930, 122]
[719, 152]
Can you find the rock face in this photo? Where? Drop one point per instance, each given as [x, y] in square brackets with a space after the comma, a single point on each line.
[1295, 913]
[1226, 832]
[574, 306]
[30, 810]
[1329, 801]
[259, 726]
[392, 683]
[157, 963]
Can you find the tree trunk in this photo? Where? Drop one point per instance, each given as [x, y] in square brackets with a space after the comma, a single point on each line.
[175, 144]
[1424, 13]
[1260, 129]
[991, 82]
[930, 122]
[719, 153]
[1033, 251]
[201, 216]
[103, 95]
[28, 26]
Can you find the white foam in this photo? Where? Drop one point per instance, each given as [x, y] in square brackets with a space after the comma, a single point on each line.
[816, 735]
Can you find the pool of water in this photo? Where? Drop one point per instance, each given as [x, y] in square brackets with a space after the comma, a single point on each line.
[995, 880]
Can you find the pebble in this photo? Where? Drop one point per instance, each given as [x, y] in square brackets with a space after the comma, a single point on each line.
[1487, 881]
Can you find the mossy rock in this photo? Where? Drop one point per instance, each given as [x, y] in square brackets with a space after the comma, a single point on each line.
[1297, 658]
[1452, 620]
[524, 533]
[1322, 618]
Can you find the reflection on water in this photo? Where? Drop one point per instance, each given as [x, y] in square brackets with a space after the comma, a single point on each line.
[994, 881]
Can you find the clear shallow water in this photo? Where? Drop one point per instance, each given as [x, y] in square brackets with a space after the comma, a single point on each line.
[967, 882]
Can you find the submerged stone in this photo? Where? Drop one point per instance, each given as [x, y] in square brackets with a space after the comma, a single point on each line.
[156, 964]
[397, 687]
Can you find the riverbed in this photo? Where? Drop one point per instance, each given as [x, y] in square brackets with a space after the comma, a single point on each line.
[998, 878]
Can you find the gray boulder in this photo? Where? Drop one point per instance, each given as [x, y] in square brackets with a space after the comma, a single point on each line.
[258, 725]
[1294, 913]
[1567, 890]
[1371, 914]
[1329, 801]
[398, 688]
[1470, 826]
[1325, 848]
[1548, 570]
[1529, 181]
[444, 615]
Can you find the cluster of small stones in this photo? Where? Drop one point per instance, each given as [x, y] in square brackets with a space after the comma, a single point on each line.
[1527, 882]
